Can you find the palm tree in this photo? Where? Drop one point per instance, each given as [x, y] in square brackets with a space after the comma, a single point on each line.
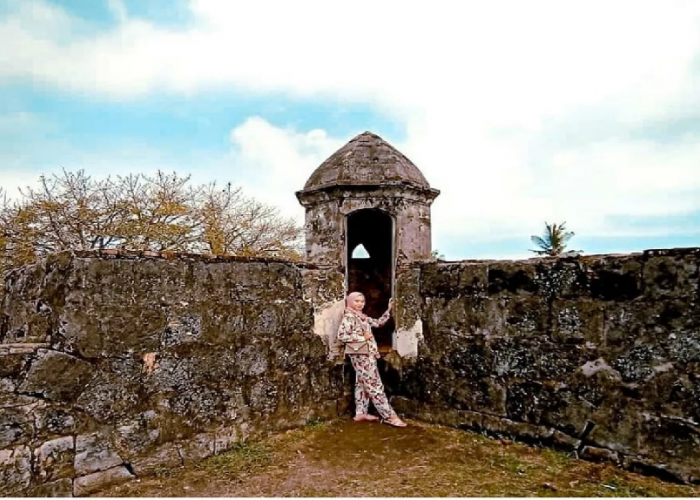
[553, 241]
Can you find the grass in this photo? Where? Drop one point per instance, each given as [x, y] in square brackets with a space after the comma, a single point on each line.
[244, 456]
[344, 458]
[316, 424]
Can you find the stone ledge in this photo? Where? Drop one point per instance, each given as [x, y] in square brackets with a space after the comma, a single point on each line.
[595, 454]
[172, 256]
[672, 252]
[645, 254]
[22, 348]
[97, 481]
[542, 436]
[60, 488]
[165, 255]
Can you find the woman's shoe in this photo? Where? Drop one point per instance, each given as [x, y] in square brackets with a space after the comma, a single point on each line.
[365, 418]
[394, 422]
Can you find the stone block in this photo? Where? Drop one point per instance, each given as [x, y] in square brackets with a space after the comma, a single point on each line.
[559, 278]
[555, 363]
[26, 347]
[113, 330]
[513, 357]
[526, 401]
[164, 456]
[470, 420]
[182, 329]
[440, 416]
[671, 277]
[404, 406]
[197, 448]
[637, 363]
[92, 483]
[54, 459]
[521, 315]
[16, 425]
[140, 436]
[113, 393]
[567, 412]
[599, 455]
[42, 376]
[565, 442]
[15, 469]
[510, 277]
[322, 286]
[52, 420]
[473, 279]
[676, 471]
[668, 437]
[518, 430]
[620, 425]
[225, 438]
[440, 280]
[13, 400]
[12, 365]
[408, 301]
[93, 453]
[577, 321]
[55, 489]
[616, 278]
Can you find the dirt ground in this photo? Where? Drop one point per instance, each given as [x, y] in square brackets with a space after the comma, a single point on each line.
[344, 458]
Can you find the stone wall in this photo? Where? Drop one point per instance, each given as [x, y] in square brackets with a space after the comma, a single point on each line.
[595, 355]
[114, 364]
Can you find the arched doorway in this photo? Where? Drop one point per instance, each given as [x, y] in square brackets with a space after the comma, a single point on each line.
[369, 258]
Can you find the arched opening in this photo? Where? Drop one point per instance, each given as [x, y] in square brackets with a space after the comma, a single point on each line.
[369, 257]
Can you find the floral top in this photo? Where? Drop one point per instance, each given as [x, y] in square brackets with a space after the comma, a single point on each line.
[353, 325]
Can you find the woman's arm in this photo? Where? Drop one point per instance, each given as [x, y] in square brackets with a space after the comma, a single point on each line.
[376, 323]
[349, 330]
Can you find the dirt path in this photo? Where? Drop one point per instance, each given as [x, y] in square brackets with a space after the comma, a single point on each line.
[344, 458]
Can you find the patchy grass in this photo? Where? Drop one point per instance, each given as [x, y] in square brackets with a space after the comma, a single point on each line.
[345, 458]
[242, 457]
[316, 423]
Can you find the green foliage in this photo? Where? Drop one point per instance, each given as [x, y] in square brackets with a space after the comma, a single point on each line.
[243, 456]
[435, 254]
[553, 241]
[316, 423]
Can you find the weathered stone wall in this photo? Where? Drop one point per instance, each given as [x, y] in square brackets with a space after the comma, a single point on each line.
[114, 364]
[597, 355]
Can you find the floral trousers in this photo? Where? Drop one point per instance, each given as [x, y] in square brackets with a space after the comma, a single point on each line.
[368, 386]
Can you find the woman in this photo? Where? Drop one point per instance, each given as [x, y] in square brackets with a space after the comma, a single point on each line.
[356, 327]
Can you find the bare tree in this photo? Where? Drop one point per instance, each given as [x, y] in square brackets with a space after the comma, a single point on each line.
[72, 211]
[234, 224]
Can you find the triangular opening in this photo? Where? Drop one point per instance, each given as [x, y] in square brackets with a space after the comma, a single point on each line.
[360, 252]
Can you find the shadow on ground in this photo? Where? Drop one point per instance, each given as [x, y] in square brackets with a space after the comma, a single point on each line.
[344, 458]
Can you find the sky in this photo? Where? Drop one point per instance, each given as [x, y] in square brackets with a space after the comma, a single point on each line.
[518, 112]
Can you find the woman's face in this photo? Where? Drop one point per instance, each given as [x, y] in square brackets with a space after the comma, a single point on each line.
[359, 303]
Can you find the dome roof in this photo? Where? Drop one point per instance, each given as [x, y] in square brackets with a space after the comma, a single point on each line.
[366, 160]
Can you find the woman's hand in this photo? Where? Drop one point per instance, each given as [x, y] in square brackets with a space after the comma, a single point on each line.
[391, 304]
[368, 336]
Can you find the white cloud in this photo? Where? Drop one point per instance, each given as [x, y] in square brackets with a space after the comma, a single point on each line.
[272, 163]
[118, 10]
[483, 88]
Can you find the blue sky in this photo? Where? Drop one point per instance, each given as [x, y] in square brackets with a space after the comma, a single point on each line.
[513, 111]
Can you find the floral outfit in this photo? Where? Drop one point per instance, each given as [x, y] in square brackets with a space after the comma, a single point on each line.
[368, 384]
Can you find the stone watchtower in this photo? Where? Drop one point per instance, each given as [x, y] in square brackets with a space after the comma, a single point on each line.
[369, 196]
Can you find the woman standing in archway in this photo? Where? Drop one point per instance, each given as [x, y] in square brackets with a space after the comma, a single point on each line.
[356, 333]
